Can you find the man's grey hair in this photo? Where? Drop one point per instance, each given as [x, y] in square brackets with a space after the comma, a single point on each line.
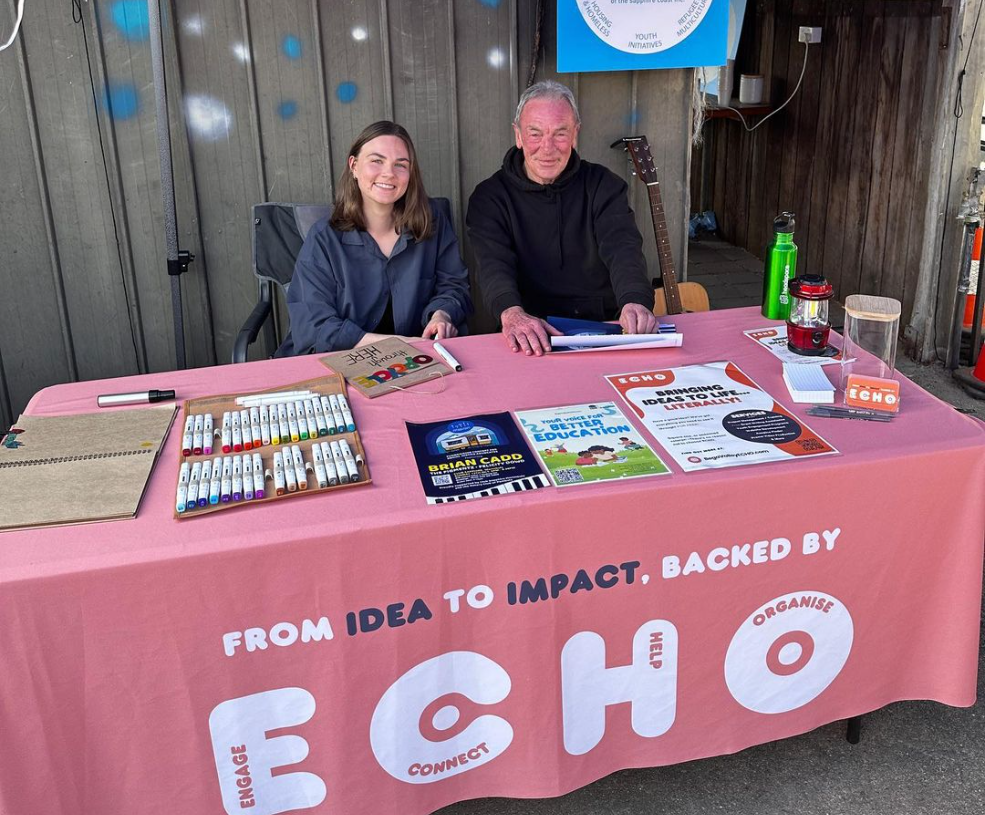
[547, 89]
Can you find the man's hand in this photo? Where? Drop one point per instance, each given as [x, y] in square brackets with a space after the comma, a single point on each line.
[637, 319]
[526, 333]
[440, 327]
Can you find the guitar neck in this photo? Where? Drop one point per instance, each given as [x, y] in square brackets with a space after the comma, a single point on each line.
[671, 293]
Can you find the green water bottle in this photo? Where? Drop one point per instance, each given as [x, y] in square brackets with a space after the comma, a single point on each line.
[780, 268]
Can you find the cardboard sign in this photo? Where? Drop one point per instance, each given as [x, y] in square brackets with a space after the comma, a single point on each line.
[385, 366]
[872, 392]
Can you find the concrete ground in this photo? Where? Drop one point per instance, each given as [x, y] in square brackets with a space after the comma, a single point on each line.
[914, 757]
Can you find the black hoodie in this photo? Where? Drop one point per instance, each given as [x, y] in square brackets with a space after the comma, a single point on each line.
[568, 249]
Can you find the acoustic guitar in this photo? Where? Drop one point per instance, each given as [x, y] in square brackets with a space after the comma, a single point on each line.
[674, 297]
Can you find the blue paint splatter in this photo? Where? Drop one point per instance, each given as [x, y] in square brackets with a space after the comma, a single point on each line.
[490, 3]
[121, 100]
[291, 47]
[287, 109]
[130, 17]
[346, 92]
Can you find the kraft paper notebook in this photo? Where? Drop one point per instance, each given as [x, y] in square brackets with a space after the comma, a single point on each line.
[78, 469]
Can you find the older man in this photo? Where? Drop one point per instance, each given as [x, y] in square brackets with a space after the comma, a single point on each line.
[553, 234]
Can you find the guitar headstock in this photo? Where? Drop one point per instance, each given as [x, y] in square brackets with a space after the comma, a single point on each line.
[638, 149]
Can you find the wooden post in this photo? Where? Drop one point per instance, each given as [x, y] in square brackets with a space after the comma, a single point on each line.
[955, 151]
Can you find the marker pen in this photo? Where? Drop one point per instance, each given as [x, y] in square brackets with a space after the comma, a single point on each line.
[181, 499]
[333, 402]
[300, 473]
[199, 432]
[289, 477]
[225, 491]
[279, 481]
[309, 415]
[227, 433]
[237, 432]
[302, 421]
[319, 417]
[141, 397]
[191, 500]
[238, 478]
[216, 482]
[255, 426]
[244, 422]
[257, 399]
[320, 475]
[350, 462]
[208, 435]
[443, 353]
[330, 471]
[187, 437]
[257, 476]
[326, 407]
[292, 423]
[350, 425]
[203, 490]
[284, 432]
[340, 467]
[264, 426]
[248, 478]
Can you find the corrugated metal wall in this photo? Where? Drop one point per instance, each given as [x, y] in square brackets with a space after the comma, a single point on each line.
[265, 98]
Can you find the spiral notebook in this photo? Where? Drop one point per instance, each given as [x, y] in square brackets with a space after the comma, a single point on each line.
[79, 469]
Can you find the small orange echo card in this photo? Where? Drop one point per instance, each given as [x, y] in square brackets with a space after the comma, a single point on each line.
[873, 393]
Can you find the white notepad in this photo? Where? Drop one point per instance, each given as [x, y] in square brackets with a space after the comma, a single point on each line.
[808, 383]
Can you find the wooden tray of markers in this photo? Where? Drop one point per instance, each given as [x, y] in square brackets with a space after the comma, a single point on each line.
[327, 386]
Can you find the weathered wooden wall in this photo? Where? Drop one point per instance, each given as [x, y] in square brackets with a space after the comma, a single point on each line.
[849, 154]
[265, 99]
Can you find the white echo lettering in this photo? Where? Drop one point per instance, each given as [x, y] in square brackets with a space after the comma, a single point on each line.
[649, 684]
[394, 732]
[244, 756]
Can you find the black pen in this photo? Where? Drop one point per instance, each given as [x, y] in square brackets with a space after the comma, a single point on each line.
[831, 412]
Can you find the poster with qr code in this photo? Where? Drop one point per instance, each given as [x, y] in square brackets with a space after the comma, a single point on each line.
[584, 444]
[473, 457]
[713, 415]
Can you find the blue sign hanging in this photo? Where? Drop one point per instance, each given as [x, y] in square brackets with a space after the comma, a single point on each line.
[632, 35]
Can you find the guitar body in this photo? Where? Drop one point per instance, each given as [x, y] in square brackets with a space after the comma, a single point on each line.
[693, 298]
[674, 297]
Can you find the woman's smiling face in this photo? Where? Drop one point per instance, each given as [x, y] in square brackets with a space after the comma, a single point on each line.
[382, 169]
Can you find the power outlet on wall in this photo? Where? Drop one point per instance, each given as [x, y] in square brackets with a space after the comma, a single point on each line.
[809, 34]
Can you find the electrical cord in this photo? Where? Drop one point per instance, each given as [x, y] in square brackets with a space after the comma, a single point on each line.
[803, 70]
[17, 26]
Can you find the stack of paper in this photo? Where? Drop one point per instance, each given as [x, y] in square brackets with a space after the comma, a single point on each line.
[808, 383]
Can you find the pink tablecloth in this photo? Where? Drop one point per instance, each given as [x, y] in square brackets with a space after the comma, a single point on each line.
[157, 666]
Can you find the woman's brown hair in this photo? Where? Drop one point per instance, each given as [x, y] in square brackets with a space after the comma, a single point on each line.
[412, 212]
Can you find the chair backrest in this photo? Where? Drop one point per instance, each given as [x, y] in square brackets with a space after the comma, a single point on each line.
[278, 232]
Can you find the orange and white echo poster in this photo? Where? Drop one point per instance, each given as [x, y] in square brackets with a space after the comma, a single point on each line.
[713, 415]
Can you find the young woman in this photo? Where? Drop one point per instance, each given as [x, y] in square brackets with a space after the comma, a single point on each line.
[385, 263]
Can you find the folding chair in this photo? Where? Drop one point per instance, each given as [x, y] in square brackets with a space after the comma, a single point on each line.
[277, 234]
